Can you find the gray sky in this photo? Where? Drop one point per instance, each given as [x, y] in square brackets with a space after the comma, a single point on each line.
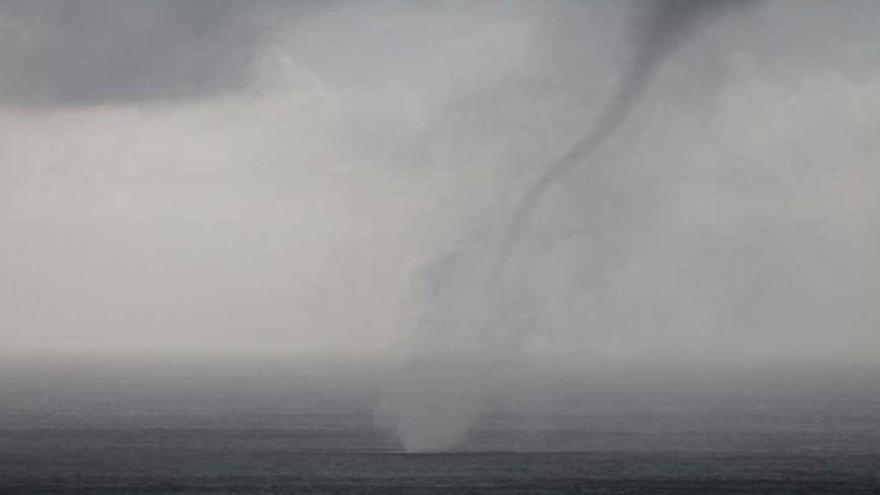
[218, 176]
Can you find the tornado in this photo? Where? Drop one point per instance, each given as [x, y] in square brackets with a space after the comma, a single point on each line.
[483, 313]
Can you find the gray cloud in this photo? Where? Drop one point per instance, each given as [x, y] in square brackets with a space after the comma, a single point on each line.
[56, 53]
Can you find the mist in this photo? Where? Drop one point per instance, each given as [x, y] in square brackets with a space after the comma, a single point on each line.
[463, 192]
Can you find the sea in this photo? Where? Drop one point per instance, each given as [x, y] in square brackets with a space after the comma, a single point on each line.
[208, 425]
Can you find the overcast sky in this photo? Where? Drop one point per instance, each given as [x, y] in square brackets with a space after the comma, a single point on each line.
[268, 176]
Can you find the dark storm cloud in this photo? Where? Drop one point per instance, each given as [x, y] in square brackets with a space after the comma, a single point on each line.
[58, 53]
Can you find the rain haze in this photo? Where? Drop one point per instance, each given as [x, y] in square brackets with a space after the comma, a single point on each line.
[432, 215]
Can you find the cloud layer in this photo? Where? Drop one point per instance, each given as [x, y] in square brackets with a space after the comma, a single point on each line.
[253, 176]
[104, 52]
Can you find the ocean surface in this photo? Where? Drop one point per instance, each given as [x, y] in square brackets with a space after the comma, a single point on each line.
[185, 426]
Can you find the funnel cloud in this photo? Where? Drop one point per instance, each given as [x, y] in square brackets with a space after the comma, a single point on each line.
[668, 22]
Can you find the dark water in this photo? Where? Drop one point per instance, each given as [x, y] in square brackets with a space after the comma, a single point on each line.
[268, 461]
[242, 429]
